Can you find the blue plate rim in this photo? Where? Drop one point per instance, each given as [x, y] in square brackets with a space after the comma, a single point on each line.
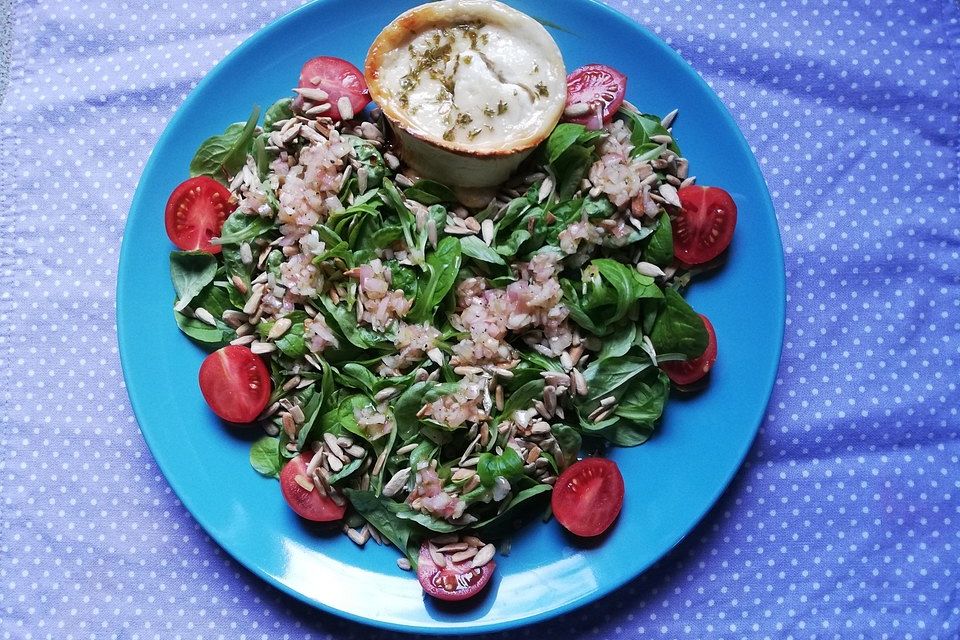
[123, 338]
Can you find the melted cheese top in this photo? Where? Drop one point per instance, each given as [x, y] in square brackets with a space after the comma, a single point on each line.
[481, 76]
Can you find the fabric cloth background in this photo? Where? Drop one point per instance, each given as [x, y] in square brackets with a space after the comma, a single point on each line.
[843, 523]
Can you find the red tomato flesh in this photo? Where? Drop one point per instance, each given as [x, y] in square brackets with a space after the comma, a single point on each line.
[339, 79]
[704, 227]
[587, 497]
[235, 383]
[195, 213]
[308, 504]
[599, 87]
[686, 372]
[455, 581]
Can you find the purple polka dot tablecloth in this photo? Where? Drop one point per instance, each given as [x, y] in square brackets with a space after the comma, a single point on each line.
[844, 522]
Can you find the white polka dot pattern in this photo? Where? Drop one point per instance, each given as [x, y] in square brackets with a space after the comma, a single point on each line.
[843, 522]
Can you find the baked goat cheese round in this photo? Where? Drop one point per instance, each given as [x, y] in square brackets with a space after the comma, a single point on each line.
[471, 87]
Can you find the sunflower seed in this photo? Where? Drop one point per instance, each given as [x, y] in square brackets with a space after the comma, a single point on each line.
[289, 426]
[392, 161]
[314, 463]
[279, 328]
[381, 460]
[297, 414]
[486, 229]
[253, 302]
[688, 181]
[358, 537]
[462, 474]
[337, 498]
[650, 269]
[269, 411]
[362, 176]
[533, 454]
[550, 398]
[317, 110]
[385, 394]
[437, 557]
[345, 108]
[432, 232]
[576, 110]
[668, 119]
[291, 383]
[355, 451]
[436, 355]
[539, 428]
[205, 316]
[465, 370]
[542, 409]
[370, 131]
[403, 180]
[331, 441]
[452, 547]
[234, 318]
[304, 482]
[601, 413]
[403, 563]
[498, 398]
[669, 193]
[470, 462]
[484, 555]
[466, 554]
[262, 347]
[566, 361]
[661, 139]
[578, 382]
[243, 340]
[312, 93]
[396, 482]
[404, 450]
[333, 462]
[546, 189]
[609, 400]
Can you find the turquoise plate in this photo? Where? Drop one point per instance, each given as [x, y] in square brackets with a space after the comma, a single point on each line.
[672, 481]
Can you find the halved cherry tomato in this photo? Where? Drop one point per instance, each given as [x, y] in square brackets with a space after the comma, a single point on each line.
[195, 213]
[704, 226]
[455, 581]
[235, 383]
[338, 78]
[600, 88]
[686, 372]
[587, 496]
[308, 504]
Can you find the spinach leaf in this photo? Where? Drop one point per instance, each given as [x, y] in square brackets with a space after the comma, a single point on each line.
[394, 529]
[224, 155]
[645, 399]
[605, 377]
[292, 343]
[678, 328]
[346, 472]
[509, 513]
[442, 267]
[280, 110]
[412, 400]
[240, 228]
[569, 440]
[629, 284]
[358, 376]
[619, 342]
[265, 457]
[370, 159]
[405, 512]
[659, 250]
[210, 337]
[385, 236]
[346, 321]
[191, 271]
[511, 246]
[508, 464]
[564, 136]
[521, 399]
[429, 192]
[475, 248]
